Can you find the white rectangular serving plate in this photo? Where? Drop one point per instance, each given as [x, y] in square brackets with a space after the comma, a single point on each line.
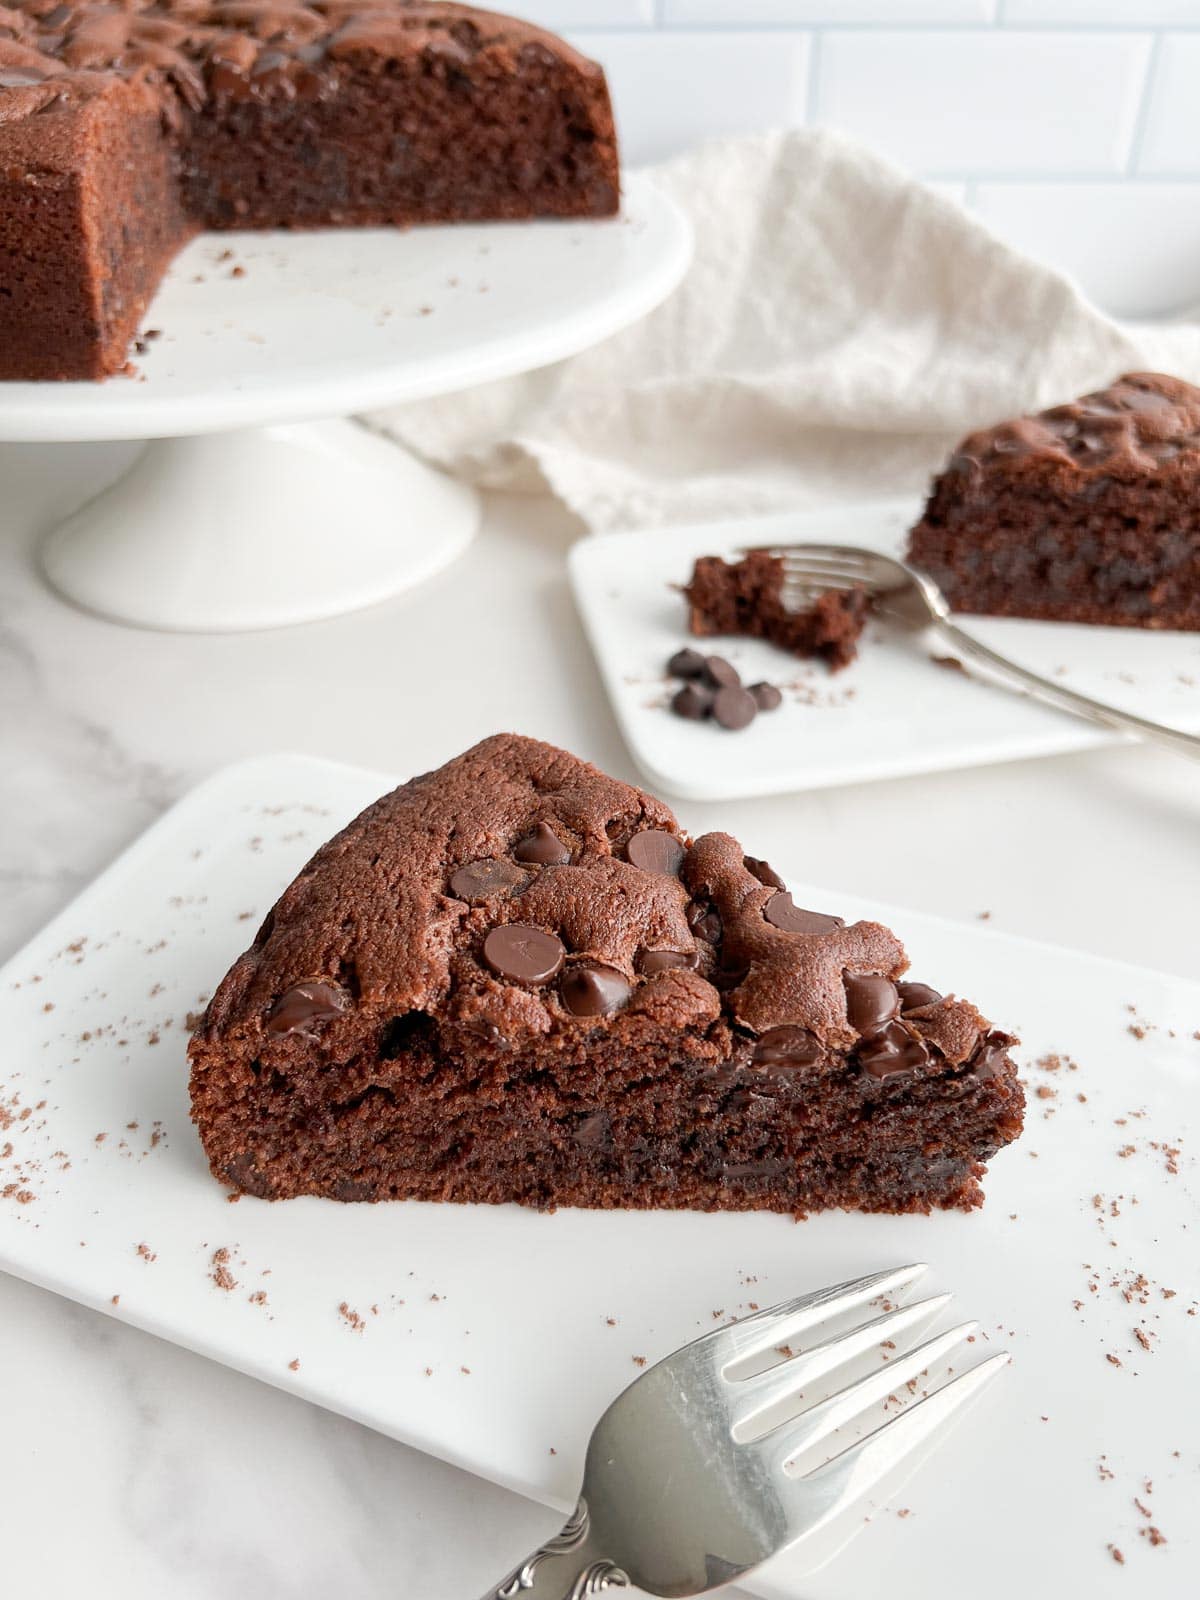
[892, 712]
[494, 1337]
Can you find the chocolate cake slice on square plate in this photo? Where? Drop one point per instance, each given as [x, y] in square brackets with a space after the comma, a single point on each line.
[517, 979]
[1087, 512]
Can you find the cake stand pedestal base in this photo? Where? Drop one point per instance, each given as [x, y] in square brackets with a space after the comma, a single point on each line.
[260, 528]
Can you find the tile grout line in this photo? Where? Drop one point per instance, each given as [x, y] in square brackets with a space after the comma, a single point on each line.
[1137, 136]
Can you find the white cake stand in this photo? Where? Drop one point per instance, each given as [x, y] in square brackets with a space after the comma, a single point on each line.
[243, 511]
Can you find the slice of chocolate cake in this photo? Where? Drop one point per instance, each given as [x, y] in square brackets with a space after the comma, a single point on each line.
[1088, 512]
[517, 979]
[746, 597]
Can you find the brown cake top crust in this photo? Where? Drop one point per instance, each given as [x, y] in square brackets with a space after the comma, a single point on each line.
[57, 54]
[1135, 426]
[520, 893]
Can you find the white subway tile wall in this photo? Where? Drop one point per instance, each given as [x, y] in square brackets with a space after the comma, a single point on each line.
[1071, 127]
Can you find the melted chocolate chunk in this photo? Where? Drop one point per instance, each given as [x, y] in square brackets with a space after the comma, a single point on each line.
[592, 990]
[721, 674]
[649, 962]
[479, 880]
[542, 848]
[916, 996]
[686, 664]
[522, 954]
[870, 1002]
[788, 1046]
[990, 1056]
[893, 1049]
[734, 708]
[594, 1132]
[693, 702]
[704, 921]
[781, 913]
[655, 850]
[764, 872]
[304, 1005]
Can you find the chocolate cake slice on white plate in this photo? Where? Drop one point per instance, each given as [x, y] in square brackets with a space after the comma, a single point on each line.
[517, 979]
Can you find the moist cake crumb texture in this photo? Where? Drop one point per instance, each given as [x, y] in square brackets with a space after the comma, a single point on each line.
[746, 597]
[1087, 512]
[517, 979]
[126, 129]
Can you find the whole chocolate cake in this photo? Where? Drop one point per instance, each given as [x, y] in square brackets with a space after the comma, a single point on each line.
[126, 128]
[747, 597]
[1088, 512]
[517, 979]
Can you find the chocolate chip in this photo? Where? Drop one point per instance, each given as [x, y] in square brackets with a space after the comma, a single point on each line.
[788, 1046]
[347, 1189]
[593, 991]
[542, 848]
[893, 1049]
[766, 696]
[721, 674]
[654, 850]
[704, 921]
[764, 872]
[694, 701]
[734, 708]
[306, 1004]
[990, 1056]
[870, 1002]
[916, 996]
[595, 1131]
[686, 664]
[479, 880]
[649, 962]
[526, 955]
[781, 913]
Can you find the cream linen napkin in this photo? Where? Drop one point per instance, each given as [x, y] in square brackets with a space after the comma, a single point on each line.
[840, 327]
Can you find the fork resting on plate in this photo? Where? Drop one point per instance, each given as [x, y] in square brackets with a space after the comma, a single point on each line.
[903, 594]
[712, 1461]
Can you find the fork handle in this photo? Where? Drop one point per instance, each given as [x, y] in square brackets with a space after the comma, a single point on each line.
[1056, 694]
[566, 1567]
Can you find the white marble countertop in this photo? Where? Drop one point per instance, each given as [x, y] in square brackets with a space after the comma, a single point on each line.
[133, 1469]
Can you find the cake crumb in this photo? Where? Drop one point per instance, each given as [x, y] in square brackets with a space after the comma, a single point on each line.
[294, 1364]
[1116, 1555]
[353, 1319]
[220, 1274]
[639, 1361]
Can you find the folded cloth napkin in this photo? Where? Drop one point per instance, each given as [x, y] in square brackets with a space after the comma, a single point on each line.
[840, 327]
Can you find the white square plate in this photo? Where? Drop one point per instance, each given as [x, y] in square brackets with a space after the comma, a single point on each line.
[893, 711]
[483, 1335]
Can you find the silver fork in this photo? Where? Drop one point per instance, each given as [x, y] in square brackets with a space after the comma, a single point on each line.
[904, 595]
[693, 1476]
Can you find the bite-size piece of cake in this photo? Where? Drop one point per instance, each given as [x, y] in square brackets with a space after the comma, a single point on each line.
[517, 979]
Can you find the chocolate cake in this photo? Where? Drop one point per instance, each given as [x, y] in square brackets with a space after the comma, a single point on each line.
[1088, 512]
[746, 597]
[124, 129]
[517, 979]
